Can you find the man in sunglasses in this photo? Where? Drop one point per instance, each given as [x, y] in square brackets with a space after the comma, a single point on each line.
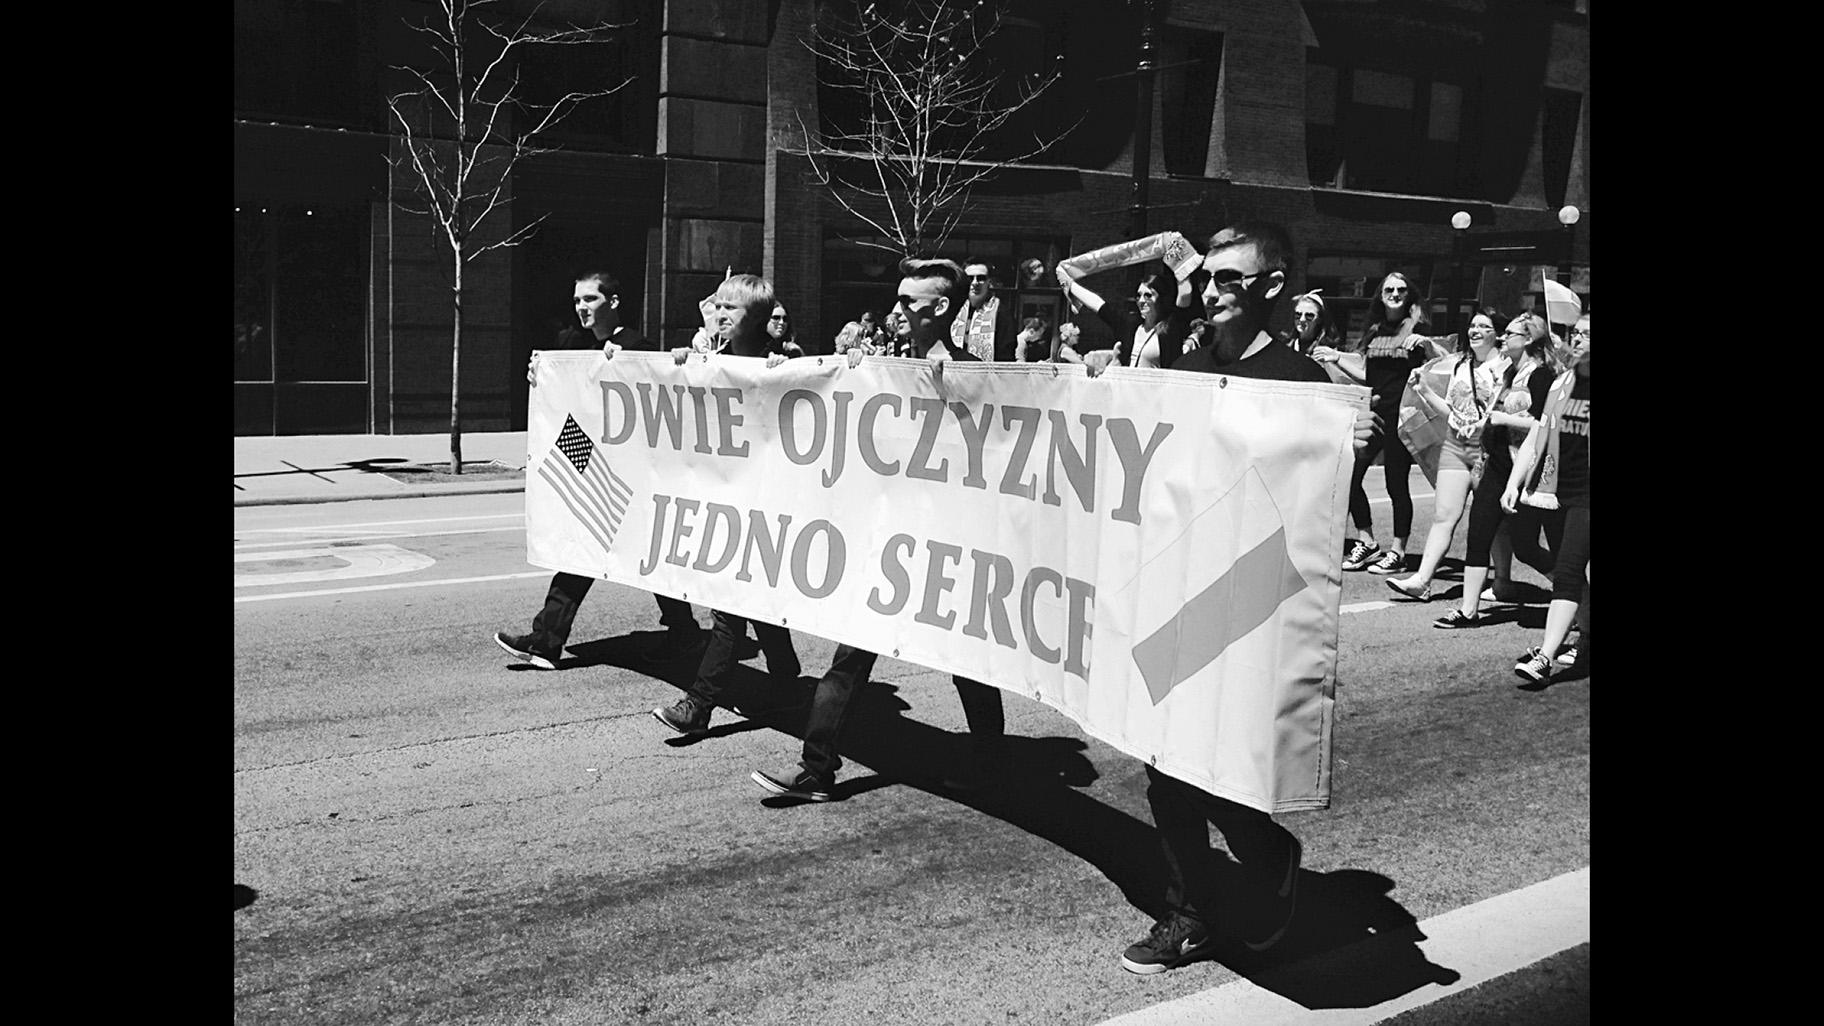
[927, 305]
[1247, 267]
[984, 326]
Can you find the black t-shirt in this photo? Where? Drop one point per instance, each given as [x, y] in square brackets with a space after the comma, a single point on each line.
[1497, 438]
[574, 337]
[1275, 362]
[1574, 446]
[1390, 363]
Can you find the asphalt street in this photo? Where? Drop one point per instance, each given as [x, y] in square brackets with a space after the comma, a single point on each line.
[428, 831]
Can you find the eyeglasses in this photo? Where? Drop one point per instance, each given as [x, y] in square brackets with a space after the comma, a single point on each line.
[1585, 332]
[978, 277]
[1304, 317]
[1510, 333]
[1394, 290]
[1229, 278]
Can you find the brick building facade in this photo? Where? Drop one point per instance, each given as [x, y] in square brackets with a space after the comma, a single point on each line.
[1361, 126]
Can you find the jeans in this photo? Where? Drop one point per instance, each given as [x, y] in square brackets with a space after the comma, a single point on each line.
[1182, 813]
[726, 630]
[551, 627]
[849, 669]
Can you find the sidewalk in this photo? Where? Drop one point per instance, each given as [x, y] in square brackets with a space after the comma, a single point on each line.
[336, 468]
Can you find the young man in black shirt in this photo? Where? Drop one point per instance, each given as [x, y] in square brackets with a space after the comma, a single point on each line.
[598, 317]
[929, 300]
[1247, 268]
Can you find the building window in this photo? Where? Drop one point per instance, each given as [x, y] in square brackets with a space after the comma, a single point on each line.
[298, 59]
[300, 294]
[1558, 141]
[1386, 131]
[1192, 63]
[624, 121]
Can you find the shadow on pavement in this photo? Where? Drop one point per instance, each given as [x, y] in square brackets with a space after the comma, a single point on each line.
[1350, 946]
[244, 896]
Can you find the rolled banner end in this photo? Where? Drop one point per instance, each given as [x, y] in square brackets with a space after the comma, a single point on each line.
[1180, 255]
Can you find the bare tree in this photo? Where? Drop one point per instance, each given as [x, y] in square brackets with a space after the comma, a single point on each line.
[926, 103]
[465, 124]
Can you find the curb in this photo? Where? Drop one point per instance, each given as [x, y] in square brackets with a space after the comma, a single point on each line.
[485, 488]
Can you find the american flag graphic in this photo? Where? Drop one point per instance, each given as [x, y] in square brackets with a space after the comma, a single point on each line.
[581, 475]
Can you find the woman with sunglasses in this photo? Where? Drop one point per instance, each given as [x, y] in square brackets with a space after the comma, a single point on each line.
[1156, 337]
[1469, 389]
[1390, 349]
[1525, 382]
[1552, 471]
[779, 334]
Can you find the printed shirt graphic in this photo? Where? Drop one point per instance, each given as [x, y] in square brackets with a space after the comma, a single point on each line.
[580, 475]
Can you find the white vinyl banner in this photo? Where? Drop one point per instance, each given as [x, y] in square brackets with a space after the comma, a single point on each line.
[1156, 554]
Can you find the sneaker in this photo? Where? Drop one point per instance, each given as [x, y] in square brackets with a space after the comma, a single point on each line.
[1389, 562]
[1274, 912]
[1360, 552]
[1567, 656]
[1534, 666]
[1405, 588]
[521, 647]
[1456, 619]
[677, 643]
[1171, 942]
[687, 715]
[798, 783]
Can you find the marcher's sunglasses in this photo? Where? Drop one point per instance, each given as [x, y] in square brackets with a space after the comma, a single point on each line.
[978, 277]
[1229, 278]
[1394, 290]
[1304, 317]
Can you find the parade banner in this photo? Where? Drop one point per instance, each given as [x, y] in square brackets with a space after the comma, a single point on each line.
[1155, 554]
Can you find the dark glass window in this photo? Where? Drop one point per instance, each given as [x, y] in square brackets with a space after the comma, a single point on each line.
[298, 59]
[1191, 63]
[624, 121]
[300, 293]
[1558, 141]
[1389, 131]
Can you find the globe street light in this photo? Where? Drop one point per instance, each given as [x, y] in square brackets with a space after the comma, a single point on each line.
[1460, 222]
[1568, 216]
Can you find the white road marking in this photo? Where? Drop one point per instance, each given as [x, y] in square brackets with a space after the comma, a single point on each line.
[310, 535]
[1491, 938]
[390, 587]
[387, 523]
[357, 561]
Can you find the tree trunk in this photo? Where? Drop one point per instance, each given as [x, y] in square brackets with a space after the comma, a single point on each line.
[456, 371]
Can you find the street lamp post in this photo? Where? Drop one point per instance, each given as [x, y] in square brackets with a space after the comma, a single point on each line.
[1143, 123]
[1567, 216]
[1459, 224]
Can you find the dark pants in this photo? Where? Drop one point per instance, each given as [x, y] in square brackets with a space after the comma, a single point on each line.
[849, 669]
[726, 631]
[1573, 555]
[1182, 813]
[1523, 525]
[1398, 464]
[551, 627]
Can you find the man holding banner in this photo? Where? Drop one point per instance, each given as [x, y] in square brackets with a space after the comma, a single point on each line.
[598, 315]
[741, 306]
[928, 304]
[1246, 264]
